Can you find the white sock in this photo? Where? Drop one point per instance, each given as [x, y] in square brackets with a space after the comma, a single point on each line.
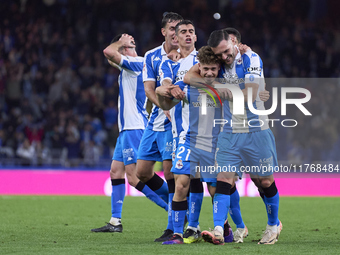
[272, 228]
[194, 229]
[219, 229]
[115, 221]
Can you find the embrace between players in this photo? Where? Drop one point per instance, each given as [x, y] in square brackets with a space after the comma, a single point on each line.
[181, 134]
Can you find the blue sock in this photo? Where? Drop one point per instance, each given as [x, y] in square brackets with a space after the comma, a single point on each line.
[196, 198]
[117, 197]
[272, 199]
[151, 195]
[272, 205]
[178, 215]
[220, 208]
[170, 211]
[195, 208]
[235, 210]
[159, 186]
[265, 203]
[163, 191]
[171, 187]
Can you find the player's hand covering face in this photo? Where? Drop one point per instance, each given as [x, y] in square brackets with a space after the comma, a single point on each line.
[128, 41]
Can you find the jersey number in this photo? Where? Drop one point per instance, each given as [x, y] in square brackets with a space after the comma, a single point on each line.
[181, 150]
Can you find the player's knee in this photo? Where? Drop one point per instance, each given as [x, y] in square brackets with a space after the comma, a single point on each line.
[181, 191]
[115, 172]
[265, 183]
[256, 181]
[141, 175]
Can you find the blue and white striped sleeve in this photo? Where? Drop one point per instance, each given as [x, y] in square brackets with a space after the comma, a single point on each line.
[132, 64]
[166, 71]
[148, 72]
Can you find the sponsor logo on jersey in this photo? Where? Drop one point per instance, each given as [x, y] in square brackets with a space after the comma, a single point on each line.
[253, 55]
[210, 102]
[254, 69]
[231, 79]
[157, 59]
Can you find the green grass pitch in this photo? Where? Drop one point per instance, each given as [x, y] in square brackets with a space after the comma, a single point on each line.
[61, 225]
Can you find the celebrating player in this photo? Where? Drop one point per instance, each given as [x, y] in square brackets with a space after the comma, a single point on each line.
[156, 143]
[239, 144]
[132, 120]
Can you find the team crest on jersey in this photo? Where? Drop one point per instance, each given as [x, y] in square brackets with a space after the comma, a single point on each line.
[179, 164]
[239, 62]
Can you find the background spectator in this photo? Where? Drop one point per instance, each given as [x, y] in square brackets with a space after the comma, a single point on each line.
[58, 95]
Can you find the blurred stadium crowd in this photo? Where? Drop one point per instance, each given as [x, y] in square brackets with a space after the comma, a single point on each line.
[58, 95]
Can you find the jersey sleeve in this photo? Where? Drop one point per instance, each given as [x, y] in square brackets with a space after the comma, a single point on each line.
[253, 67]
[148, 72]
[131, 64]
[166, 71]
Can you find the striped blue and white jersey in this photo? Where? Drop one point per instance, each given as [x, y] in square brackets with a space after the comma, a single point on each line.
[152, 61]
[198, 128]
[175, 71]
[247, 68]
[132, 100]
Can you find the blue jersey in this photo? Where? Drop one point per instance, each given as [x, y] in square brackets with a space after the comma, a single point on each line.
[198, 129]
[152, 61]
[132, 100]
[193, 128]
[247, 68]
[175, 71]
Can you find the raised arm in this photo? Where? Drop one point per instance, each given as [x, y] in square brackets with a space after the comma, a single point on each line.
[112, 52]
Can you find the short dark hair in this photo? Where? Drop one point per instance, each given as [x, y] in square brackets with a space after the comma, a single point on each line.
[233, 31]
[206, 56]
[183, 22]
[116, 38]
[170, 17]
[216, 37]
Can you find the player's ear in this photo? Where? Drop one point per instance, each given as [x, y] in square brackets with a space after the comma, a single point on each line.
[195, 38]
[163, 31]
